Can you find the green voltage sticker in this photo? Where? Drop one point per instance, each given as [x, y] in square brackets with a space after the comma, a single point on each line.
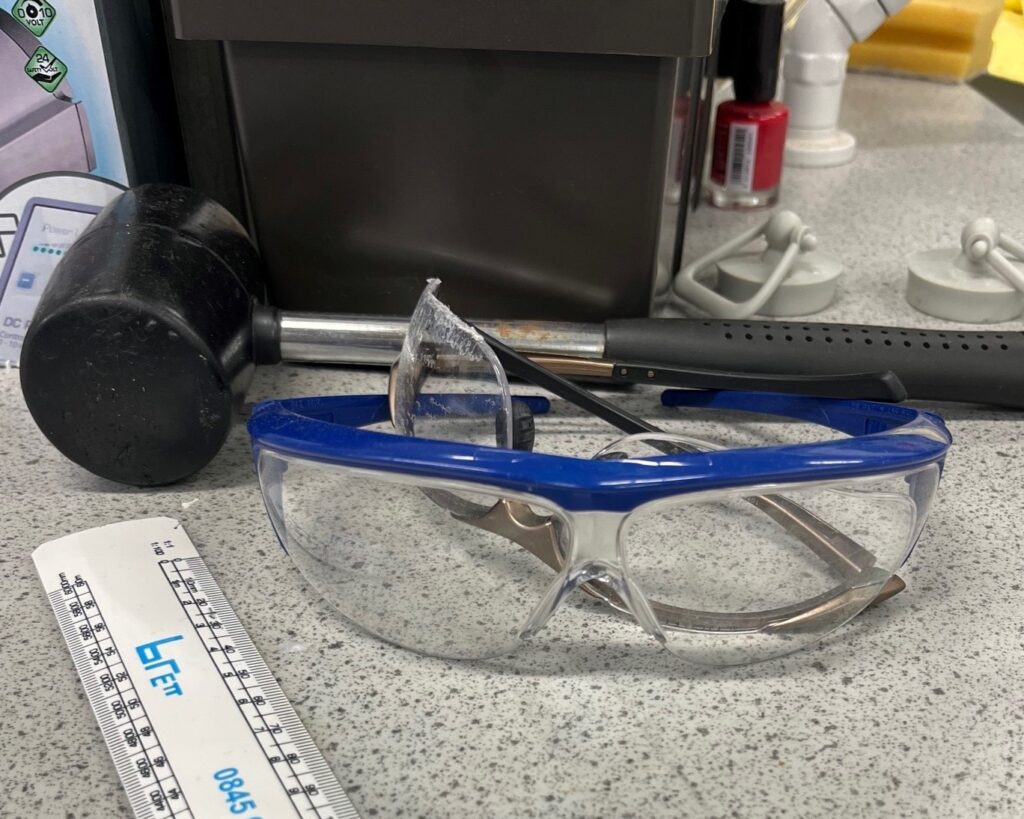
[44, 67]
[35, 15]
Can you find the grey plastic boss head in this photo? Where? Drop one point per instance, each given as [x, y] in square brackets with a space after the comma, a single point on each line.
[974, 283]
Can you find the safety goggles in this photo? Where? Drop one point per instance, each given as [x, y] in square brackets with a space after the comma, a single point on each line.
[455, 540]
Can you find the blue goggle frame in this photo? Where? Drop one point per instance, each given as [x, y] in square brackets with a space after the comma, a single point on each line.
[886, 439]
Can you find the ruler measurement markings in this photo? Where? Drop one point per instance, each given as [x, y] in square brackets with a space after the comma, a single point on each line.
[118, 694]
[268, 730]
[138, 785]
[228, 661]
[315, 764]
[137, 580]
[114, 738]
[289, 723]
[143, 752]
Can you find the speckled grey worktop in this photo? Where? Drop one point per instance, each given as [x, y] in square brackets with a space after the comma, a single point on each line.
[915, 709]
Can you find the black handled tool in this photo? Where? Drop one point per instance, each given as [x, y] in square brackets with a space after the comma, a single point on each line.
[145, 340]
[939, 365]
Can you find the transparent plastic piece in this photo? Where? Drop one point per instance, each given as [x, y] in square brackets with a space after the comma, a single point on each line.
[447, 383]
[717, 577]
[401, 565]
[731, 580]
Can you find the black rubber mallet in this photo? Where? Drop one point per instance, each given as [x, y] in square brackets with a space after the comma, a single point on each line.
[146, 338]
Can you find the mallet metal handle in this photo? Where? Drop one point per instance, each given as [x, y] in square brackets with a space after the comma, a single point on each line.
[351, 339]
[840, 360]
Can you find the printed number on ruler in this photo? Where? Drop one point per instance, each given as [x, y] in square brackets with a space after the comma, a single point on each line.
[192, 716]
[135, 746]
[266, 712]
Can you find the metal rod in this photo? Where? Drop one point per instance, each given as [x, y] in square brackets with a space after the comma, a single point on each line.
[350, 339]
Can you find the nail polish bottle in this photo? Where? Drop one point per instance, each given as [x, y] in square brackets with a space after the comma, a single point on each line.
[749, 138]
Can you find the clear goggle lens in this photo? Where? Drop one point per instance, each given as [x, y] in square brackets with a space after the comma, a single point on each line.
[394, 557]
[726, 582]
[740, 576]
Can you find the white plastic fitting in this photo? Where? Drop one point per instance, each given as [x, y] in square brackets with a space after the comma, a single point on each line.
[786, 279]
[975, 283]
[816, 53]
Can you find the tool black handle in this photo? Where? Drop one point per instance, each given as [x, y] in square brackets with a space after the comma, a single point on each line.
[941, 365]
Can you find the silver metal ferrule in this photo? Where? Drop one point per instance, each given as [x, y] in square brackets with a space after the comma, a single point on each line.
[376, 340]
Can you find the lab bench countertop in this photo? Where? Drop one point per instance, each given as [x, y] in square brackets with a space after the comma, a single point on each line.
[914, 709]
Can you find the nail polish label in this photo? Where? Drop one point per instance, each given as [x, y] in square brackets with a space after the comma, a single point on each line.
[740, 159]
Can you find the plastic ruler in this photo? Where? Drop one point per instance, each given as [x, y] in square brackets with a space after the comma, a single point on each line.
[195, 722]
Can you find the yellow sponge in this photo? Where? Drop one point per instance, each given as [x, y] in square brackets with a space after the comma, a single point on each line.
[942, 39]
[1008, 46]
